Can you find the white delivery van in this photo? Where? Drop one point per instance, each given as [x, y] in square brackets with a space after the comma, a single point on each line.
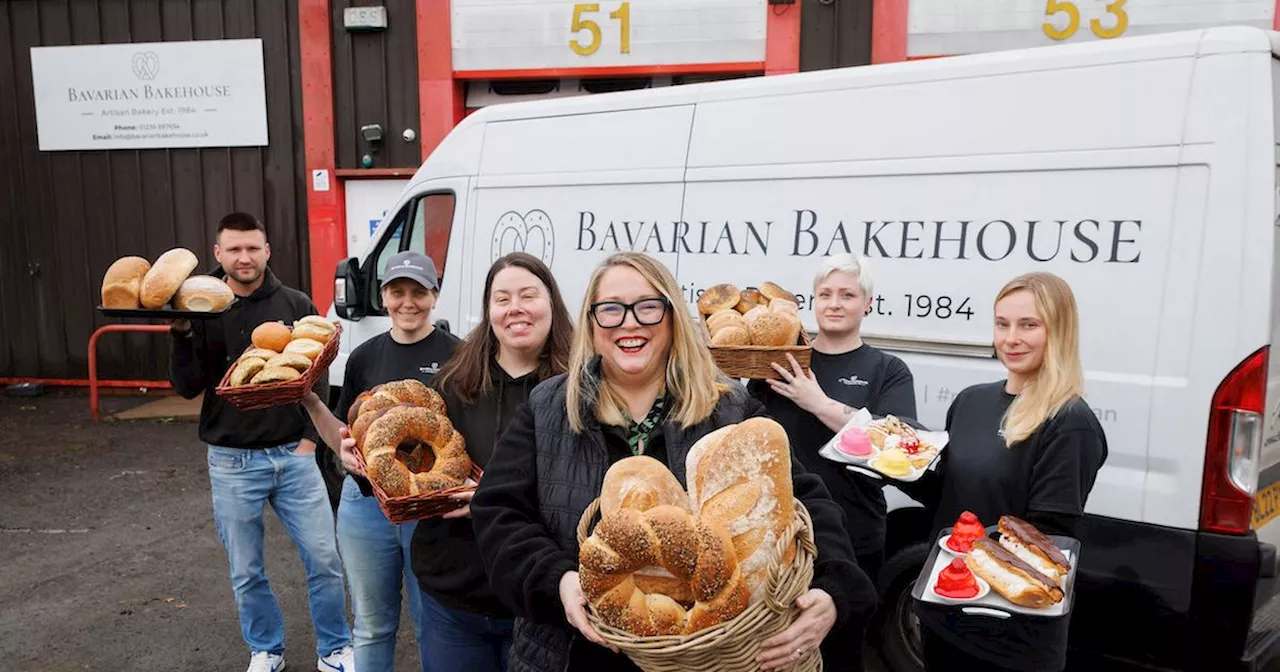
[1143, 171]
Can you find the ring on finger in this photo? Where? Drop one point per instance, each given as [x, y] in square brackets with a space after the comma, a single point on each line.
[799, 653]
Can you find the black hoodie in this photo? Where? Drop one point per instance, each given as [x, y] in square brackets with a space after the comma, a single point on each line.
[198, 361]
[443, 553]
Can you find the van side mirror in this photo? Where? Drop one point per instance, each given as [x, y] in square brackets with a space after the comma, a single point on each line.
[348, 290]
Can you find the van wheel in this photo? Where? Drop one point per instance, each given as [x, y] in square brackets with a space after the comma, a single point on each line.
[896, 627]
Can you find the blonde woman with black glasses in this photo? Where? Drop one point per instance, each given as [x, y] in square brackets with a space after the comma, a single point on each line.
[1029, 446]
[640, 381]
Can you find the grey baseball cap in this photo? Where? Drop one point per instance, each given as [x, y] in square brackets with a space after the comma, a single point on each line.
[415, 266]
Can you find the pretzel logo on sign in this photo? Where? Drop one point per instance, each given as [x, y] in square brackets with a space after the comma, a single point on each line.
[146, 65]
[531, 232]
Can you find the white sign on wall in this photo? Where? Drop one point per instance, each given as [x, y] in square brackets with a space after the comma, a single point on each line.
[556, 34]
[207, 93]
[952, 27]
[367, 203]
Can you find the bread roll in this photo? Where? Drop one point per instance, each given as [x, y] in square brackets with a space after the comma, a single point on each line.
[246, 369]
[275, 374]
[784, 306]
[640, 483]
[772, 329]
[718, 297]
[773, 291]
[203, 293]
[317, 321]
[166, 276]
[291, 360]
[305, 346]
[793, 330]
[751, 315]
[122, 284]
[731, 336]
[724, 318]
[312, 332]
[754, 296]
[261, 353]
[271, 336]
[739, 476]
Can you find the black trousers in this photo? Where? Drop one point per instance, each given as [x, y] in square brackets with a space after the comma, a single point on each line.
[842, 649]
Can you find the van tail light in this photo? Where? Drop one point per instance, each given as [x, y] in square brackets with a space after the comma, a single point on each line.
[1234, 448]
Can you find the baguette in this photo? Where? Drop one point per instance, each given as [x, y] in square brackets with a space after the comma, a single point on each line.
[122, 283]
[1017, 581]
[166, 276]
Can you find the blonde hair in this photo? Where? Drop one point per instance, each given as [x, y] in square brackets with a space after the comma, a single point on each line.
[1060, 378]
[692, 378]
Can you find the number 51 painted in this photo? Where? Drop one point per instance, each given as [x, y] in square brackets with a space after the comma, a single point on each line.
[1068, 7]
[622, 15]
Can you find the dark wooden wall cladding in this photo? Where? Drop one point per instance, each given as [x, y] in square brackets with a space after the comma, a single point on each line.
[835, 34]
[66, 216]
[375, 81]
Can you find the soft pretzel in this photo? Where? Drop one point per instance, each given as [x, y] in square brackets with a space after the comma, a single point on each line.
[696, 553]
[399, 424]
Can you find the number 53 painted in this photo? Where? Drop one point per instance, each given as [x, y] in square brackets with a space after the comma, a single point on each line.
[1115, 8]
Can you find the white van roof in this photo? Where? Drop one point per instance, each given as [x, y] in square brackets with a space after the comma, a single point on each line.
[459, 154]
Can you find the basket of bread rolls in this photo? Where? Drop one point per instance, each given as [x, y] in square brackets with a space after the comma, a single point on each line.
[410, 451]
[134, 287]
[282, 365]
[716, 569]
[749, 329]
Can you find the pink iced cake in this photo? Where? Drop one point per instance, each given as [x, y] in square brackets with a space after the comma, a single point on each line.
[855, 442]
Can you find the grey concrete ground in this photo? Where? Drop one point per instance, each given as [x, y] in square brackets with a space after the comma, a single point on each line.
[108, 555]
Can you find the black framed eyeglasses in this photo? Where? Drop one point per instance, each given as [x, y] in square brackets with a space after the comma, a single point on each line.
[648, 312]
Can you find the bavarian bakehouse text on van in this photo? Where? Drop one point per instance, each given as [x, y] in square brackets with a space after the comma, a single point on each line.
[1114, 241]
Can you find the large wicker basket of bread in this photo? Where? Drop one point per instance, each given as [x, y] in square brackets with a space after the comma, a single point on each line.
[750, 329]
[410, 452]
[282, 364]
[698, 580]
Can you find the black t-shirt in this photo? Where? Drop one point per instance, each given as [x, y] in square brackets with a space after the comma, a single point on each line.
[861, 378]
[382, 360]
[1052, 471]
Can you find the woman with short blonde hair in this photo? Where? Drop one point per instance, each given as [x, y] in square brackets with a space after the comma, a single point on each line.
[1028, 446]
[640, 382]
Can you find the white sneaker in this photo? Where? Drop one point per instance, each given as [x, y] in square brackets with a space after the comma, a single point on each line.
[342, 660]
[265, 662]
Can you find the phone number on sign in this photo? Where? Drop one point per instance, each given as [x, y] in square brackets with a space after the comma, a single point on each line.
[939, 306]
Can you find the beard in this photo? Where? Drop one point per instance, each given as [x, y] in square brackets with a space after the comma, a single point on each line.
[246, 276]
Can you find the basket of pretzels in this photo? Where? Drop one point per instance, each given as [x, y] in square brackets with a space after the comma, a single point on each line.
[714, 574]
[409, 450]
[749, 329]
[282, 365]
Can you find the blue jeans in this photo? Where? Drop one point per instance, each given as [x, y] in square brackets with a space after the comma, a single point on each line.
[243, 481]
[464, 640]
[376, 553]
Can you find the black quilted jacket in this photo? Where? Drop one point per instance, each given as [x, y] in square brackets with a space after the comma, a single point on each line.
[542, 477]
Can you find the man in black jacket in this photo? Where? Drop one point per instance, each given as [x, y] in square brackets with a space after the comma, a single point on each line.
[262, 456]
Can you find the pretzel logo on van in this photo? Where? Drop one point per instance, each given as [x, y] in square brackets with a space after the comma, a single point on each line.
[531, 232]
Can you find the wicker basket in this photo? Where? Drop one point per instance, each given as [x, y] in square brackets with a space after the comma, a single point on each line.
[752, 361]
[418, 507]
[731, 646]
[266, 395]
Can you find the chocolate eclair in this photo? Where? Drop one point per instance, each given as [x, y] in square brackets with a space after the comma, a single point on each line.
[1033, 547]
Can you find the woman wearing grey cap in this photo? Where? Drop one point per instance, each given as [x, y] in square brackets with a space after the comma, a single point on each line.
[374, 550]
